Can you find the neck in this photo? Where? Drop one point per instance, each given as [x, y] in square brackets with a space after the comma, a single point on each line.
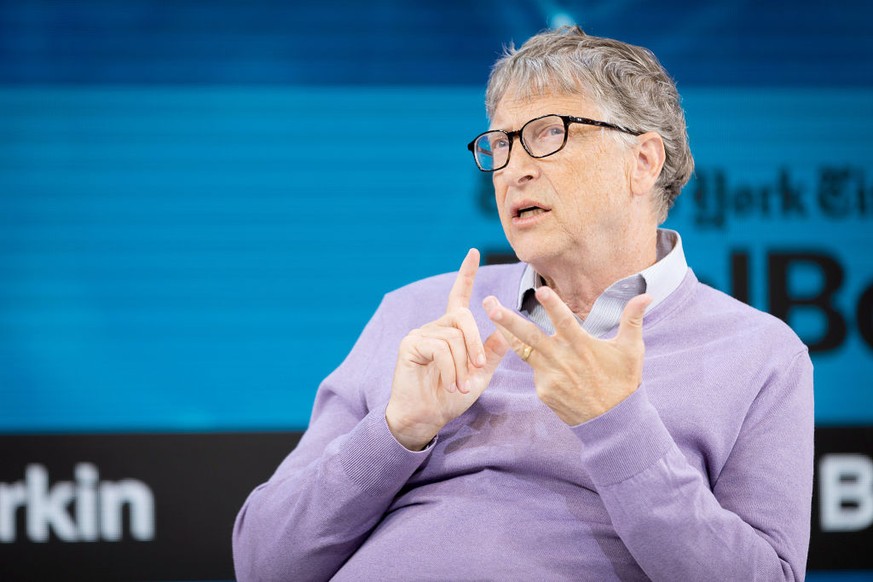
[581, 278]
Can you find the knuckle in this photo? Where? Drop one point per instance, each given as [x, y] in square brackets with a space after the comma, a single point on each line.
[454, 339]
[634, 321]
[567, 323]
[461, 315]
[536, 342]
[444, 321]
[442, 346]
[455, 333]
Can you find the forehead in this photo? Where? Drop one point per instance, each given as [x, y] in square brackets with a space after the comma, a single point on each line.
[513, 111]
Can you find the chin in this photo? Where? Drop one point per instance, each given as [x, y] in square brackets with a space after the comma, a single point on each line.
[530, 253]
[534, 247]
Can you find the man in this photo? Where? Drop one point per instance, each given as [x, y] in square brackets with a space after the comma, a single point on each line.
[620, 420]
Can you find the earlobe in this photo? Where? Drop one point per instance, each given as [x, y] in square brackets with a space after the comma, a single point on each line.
[648, 163]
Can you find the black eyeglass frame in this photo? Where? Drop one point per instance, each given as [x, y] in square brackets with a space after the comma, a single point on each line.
[567, 119]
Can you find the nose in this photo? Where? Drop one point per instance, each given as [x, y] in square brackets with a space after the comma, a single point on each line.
[521, 167]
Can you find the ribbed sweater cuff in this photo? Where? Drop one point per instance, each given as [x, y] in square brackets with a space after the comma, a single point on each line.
[374, 460]
[624, 441]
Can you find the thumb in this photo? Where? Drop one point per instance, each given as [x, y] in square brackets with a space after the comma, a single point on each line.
[630, 328]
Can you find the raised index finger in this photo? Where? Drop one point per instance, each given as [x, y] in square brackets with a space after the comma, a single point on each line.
[462, 290]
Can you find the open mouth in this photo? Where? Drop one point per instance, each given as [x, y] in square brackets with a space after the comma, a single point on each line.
[529, 211]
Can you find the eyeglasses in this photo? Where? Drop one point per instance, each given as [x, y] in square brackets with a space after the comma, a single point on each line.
[540, 137]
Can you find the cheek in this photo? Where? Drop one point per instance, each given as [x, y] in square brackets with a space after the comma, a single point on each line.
[499, 193]
[587, 193]
[499, 198]
[601, 181]
[582, 186]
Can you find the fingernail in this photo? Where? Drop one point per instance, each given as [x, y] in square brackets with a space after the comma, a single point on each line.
[481, 359]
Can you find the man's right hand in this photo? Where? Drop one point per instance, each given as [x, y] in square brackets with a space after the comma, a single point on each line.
[443, 367]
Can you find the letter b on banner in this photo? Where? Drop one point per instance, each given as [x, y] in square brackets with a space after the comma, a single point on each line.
[782, 301]
[821, 300]
[846, 486]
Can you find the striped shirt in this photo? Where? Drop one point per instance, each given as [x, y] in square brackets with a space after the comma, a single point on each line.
[659, 281]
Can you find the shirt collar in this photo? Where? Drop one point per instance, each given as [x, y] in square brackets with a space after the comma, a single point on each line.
[658, 281]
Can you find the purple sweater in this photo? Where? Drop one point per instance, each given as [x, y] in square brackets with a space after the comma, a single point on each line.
[704, 473]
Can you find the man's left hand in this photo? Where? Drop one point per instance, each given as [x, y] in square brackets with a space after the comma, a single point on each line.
[576, 375]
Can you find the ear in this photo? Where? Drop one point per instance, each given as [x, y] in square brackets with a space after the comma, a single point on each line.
[648, 161]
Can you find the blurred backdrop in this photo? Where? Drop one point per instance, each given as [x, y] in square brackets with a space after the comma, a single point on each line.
[202, 203]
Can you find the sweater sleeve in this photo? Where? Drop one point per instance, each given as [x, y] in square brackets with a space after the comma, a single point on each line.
[329, 493]
[753, 524]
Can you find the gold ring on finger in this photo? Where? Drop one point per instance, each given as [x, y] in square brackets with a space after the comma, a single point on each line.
[526, 352]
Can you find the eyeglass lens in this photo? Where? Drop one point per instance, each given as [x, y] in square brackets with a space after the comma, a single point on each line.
[540, 137]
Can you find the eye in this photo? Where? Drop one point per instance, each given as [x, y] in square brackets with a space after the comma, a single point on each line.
[545, 134]
[552, 131]
[499, 143]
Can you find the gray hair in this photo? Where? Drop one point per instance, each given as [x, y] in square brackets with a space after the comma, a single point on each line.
[626, 81]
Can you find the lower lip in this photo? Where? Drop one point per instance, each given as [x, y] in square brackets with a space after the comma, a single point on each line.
[529, 220]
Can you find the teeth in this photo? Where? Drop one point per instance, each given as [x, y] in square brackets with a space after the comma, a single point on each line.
[530, 212]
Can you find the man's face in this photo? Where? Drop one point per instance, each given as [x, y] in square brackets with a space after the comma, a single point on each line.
[578, 199]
